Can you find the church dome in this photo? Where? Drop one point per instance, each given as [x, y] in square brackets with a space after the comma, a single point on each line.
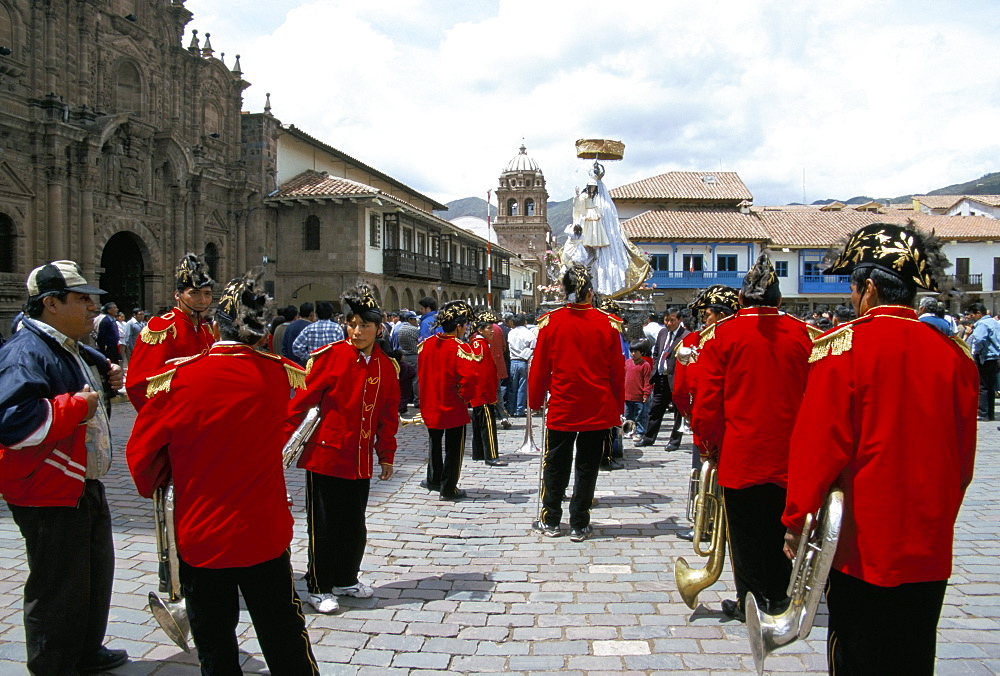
[522, 162]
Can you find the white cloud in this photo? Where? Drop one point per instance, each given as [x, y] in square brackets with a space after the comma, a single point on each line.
[877, 98]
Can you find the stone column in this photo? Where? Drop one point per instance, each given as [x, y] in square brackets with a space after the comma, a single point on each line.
[58, 233]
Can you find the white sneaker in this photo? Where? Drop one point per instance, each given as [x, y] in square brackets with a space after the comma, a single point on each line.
[358, 591]
[324, 603]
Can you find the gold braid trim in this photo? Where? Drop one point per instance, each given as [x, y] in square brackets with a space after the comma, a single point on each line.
[814, 331]
[159, 383]
[156, 337]
[615, 322]
[465, 352]
[543, 320]
[296, 376]
[707, 334]
[964, 345]
[395, 365]
[836, 343]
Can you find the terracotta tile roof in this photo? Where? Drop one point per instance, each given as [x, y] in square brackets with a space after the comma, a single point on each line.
[989, 200]
[937, 201]
[686, 185]
[320, 184]
[704, 224]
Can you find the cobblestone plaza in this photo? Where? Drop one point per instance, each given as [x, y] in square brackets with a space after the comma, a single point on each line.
[467, 587]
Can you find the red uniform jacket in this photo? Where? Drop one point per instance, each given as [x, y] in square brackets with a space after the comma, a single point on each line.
[578, 357]
[215, 424]
[889, 415]
[447, 370]
[751, 376]
[170, 336]
[359, 411]
[487, 381]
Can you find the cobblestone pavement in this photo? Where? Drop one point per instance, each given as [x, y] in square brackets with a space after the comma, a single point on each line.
[468, 587]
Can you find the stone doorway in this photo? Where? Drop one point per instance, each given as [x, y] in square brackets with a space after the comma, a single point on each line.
[123, 272]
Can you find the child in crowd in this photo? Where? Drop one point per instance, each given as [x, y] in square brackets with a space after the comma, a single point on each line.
[637, 385]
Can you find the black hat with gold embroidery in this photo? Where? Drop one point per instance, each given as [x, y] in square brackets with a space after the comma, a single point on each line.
[717, 297]
[362, 302]
[246, 307]
[486, 316]
[576, 281]
[759, 281]
[191, 272]
[610, 306]
[457, 311]
[900, 250]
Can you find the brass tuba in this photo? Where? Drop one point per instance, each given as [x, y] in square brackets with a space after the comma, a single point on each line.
[817, 545]
[528, 445]
[709, 518]
[415, 420]
[172, 613]
[297, 442]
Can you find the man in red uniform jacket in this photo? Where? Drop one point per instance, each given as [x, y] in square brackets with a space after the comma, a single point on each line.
[448, 372]
[214, 425]
[484, 416]
[355, 385]
[578, 359]
[713, 304]
[751, 376]
[182, 332]
[889, 416]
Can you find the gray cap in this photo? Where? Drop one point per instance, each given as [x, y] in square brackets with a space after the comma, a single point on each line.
[59, 276]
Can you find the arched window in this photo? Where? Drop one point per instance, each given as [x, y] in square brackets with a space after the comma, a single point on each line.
[8, 238]
[310, 234]
[512, 207]
[212, 118]
[212, 260]
[6, 28]
[129, 88]
[529, 207]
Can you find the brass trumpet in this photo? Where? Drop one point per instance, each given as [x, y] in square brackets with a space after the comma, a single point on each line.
[415, 420]
[813, 559]
[710, 518]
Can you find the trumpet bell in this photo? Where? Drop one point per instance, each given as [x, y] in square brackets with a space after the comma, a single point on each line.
[691, 581]
[173, 620]
[769, 632]
[628, 427]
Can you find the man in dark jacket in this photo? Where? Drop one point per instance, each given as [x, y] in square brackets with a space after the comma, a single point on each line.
[55, 445]
[107, 333]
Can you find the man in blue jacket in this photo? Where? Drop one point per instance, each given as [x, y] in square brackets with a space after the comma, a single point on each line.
[55, 445]
[986, 350]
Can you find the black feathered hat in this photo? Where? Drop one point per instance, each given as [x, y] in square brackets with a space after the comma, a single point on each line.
[576, 280]
[454, 311]
[486, 316]
[246, 306]
[191, 273]
[609, 305]
[362, 302]
[900, 250]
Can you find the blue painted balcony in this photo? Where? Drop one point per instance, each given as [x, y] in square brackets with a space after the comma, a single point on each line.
[684, 279]
[824, 284]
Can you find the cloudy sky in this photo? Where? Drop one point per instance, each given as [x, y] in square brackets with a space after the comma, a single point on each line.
[812, 99]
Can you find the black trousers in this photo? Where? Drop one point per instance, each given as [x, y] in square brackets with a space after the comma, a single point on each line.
[212, 597]
[557, 462]
[444, 466]
[659, 402]
[484, 433]
[335, 516]
[756, 539]
[71, 568]
[882, 630]
[988, 389]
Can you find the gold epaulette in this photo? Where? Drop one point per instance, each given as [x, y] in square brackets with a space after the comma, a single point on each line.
[466, 352]
[543, 320]
[296, 376]
[833, 343]
[966, 348]
[151, 337]
[708, 333]
[159, 383]
[615, 320]
[395, 365]
[814, 331]
[420, 346]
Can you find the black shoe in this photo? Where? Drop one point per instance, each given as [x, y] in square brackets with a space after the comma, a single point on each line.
[505, 424]
[673, 447]
[614, 464]
[686, 534]
[496, 463]
[731, 609]
[545, 529]
[477, 457]
[103, 660]
[580, 534]
[459, 494]
[430, 487]
[644, 442]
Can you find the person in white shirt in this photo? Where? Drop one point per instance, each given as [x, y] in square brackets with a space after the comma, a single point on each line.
[651, 329]
[521, 342]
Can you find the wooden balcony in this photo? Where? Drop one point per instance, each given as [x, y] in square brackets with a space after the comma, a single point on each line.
[399, 263]
[970, 282]
[500, 280]
[456, 273]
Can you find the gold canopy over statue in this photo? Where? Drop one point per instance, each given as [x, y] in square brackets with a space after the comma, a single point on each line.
[596, 238]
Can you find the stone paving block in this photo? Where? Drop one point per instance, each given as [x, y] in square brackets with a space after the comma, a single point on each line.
[426, 629]
[374, 658]
[329, 653]
[592, 664]
[591, 632]
[561, 648]
[393, 642]
[620, 647]
[651, 662]
[483, 664]
[422, 660]
[535, 663]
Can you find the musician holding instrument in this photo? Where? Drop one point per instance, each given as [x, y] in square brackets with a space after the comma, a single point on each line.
[55, 446]
[889, 416]
[751, 375]
[578, 360]
[182, 332]
[214, 426]
[355, 385]
[448, 370]
[712, 305]
[484, 416]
